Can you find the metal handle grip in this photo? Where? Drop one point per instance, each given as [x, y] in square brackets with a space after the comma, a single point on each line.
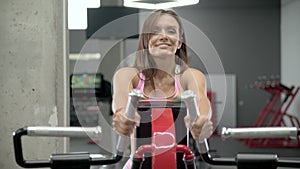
[93, 132]
[259, 132]
[72, 160]
[130, 110]
[252, 160]
[189, 97]
[47, 131]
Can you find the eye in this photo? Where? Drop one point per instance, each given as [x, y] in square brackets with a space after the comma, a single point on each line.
[155, 31]
[172, 31]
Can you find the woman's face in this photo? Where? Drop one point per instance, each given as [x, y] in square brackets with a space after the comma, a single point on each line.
[165, 39]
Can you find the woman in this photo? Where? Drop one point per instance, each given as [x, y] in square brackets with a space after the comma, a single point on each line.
[160, 72]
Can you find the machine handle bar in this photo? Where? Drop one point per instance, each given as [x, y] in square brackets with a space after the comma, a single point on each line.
[247, 161]
[79, 160]
[93, 132]
[189, 98]
[242, 161]
[71, 159]
[134, 97]
[260, 132]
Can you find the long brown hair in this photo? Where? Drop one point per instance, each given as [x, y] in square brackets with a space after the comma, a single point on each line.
[144, 62]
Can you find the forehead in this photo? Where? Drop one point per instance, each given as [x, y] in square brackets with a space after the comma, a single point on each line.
[166, 20]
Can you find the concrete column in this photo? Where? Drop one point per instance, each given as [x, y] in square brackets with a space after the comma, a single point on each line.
[33, 75]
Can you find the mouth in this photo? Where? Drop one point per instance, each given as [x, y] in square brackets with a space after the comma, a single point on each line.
[163, 45]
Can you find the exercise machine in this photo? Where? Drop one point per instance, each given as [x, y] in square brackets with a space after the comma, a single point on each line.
[275, 113]
[252, 161]
[71, 160]
[162, 134]
[247, 161]
[162, 145]
[169, 146]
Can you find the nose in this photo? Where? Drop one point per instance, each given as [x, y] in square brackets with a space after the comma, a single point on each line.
[163, 35]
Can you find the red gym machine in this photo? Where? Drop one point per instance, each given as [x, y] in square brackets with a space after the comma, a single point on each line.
[163, 146]
[85, 160]
[274, 114]
[163, 135]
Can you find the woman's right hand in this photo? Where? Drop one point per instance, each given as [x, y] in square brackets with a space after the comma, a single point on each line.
[201, 128]
[124, 125]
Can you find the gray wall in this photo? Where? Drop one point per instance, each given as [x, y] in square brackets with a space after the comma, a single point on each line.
[246, 36]
[32, 75]
[290, 53]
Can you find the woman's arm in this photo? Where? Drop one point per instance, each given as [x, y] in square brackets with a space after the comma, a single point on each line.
[122, 85]
[196, 81]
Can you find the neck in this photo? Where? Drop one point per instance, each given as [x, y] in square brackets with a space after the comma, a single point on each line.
[160, 74]
[165, 67]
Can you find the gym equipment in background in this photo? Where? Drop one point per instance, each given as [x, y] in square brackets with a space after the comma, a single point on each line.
[89, 93]
[274, 113]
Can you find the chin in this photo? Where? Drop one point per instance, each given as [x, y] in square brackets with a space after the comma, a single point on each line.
[163, 53]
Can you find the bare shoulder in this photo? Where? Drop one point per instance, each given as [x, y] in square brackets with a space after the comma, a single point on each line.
[192, 76]
[192, 73]
[197, 73]
[126, 70]
[125, 73]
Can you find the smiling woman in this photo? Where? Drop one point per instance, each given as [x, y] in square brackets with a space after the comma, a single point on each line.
[161, 73]
[166, 37]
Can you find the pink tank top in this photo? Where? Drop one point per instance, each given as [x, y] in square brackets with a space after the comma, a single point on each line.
[176, 94]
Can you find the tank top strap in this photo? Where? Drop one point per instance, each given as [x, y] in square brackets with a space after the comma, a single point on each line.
[141, 83]
[177, 69]
[177, 84]
[178, 88]
[177, 78]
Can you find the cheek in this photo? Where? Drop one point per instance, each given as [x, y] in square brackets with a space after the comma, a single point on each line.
[152, 41]
[150, 44]
[175, 41]
[153, 51]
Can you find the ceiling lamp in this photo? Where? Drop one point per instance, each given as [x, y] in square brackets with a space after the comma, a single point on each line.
[77, 12]
[158, 4]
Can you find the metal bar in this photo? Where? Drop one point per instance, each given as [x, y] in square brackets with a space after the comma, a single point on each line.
[132, 102]
[189, 97]
[288, 163]
[93, 132]
[259, 132]
[160, 104]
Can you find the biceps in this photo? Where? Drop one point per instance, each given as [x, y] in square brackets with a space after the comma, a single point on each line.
[120, 95]
[198, 85]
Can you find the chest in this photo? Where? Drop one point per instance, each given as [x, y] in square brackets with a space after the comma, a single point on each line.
[160, 88]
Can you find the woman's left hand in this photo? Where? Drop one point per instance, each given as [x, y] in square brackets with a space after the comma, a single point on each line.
[201, 128]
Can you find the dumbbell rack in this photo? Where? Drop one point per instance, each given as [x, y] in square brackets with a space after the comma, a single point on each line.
[274, 114]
